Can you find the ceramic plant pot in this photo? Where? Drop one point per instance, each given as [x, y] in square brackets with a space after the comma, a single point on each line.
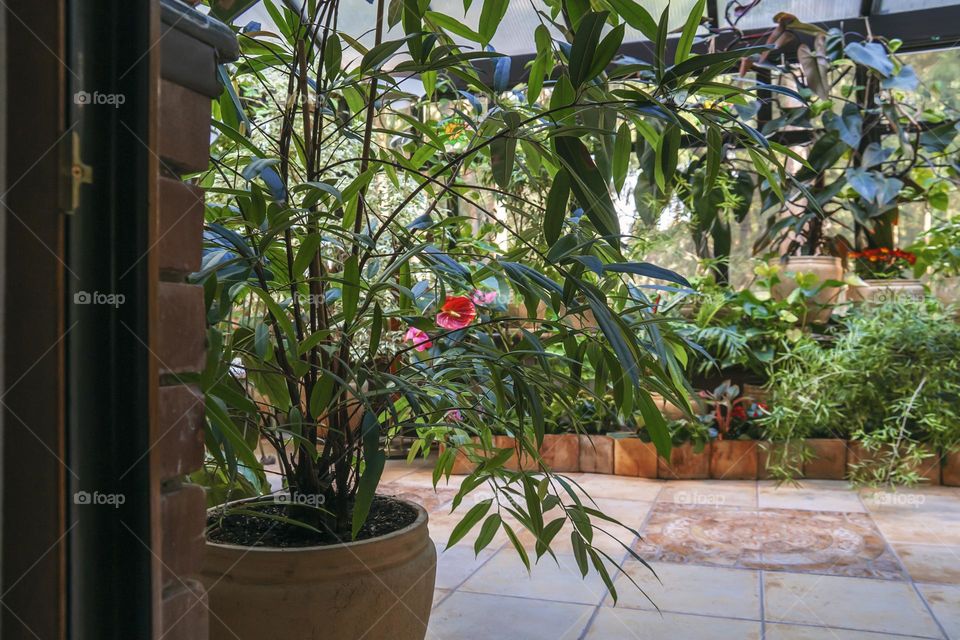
[825, 268]
[883, 291]
[377, 589]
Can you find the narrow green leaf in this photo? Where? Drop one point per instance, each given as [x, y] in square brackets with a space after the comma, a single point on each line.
[308, 249]
[714, 156]
[655, 424]
[517, 545]
[490, 17]
[606, 50]
[556, 207]
[351, 288]
[584, 47]
[621, 155]
[660, 59]
[489, 529]
[685, 43]
[636, 16]
[503, 151]
[454, 26]
[589, 187]
[473, 516]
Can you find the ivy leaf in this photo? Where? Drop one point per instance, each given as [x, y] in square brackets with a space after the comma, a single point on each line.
[872, 55]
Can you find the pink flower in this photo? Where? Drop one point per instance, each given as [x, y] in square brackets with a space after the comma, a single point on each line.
[421, 341]
[453, 415]
[456, 313]
[483, 297]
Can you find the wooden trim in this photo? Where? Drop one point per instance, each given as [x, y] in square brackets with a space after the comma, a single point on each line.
[34, 501]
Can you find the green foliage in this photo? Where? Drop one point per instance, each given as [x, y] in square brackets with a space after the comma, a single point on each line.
[346, 216]
[890, 379]
[747, 329]
[873, 139]
[938, 250]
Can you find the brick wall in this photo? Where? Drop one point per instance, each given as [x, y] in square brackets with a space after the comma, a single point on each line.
[183, 139]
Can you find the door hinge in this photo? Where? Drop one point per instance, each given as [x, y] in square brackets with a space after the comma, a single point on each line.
[77, 174]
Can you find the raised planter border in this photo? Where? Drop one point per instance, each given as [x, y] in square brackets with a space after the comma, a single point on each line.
[720, 460]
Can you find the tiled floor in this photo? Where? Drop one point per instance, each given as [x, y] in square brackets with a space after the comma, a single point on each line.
[733, 560]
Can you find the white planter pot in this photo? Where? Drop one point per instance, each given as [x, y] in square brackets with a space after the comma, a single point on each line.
[881, 291]
[947, 290]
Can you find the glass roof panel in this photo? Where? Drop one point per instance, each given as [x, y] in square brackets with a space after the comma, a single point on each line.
[761, 16]
[899, 6]
[514, 37]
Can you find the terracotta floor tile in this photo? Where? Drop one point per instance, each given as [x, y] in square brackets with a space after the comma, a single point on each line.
[710, 493]
[797, 632]
[476, 616]
[615, 623]
[504, 574]
[851, 603]
[777, 539]
[944, 600]
[733, 593]
[930, 562]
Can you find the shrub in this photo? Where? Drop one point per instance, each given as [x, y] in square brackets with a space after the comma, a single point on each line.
[891, 379]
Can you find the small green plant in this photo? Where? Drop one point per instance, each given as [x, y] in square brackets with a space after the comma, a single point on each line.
[938, 250]
[746, 329]
[891, 380]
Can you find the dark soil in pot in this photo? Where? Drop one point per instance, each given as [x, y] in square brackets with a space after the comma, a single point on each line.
[243, 529]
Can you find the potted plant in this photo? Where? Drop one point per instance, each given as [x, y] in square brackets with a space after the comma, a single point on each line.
[881, 272]
[938, 254]
[868, 150]
[342, 283]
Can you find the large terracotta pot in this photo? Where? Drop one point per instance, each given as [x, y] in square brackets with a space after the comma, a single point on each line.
[825, 268]
[880, 291]
[377, 589]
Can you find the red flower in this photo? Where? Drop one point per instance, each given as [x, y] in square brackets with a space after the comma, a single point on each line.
[456, 313]
[739, 412]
